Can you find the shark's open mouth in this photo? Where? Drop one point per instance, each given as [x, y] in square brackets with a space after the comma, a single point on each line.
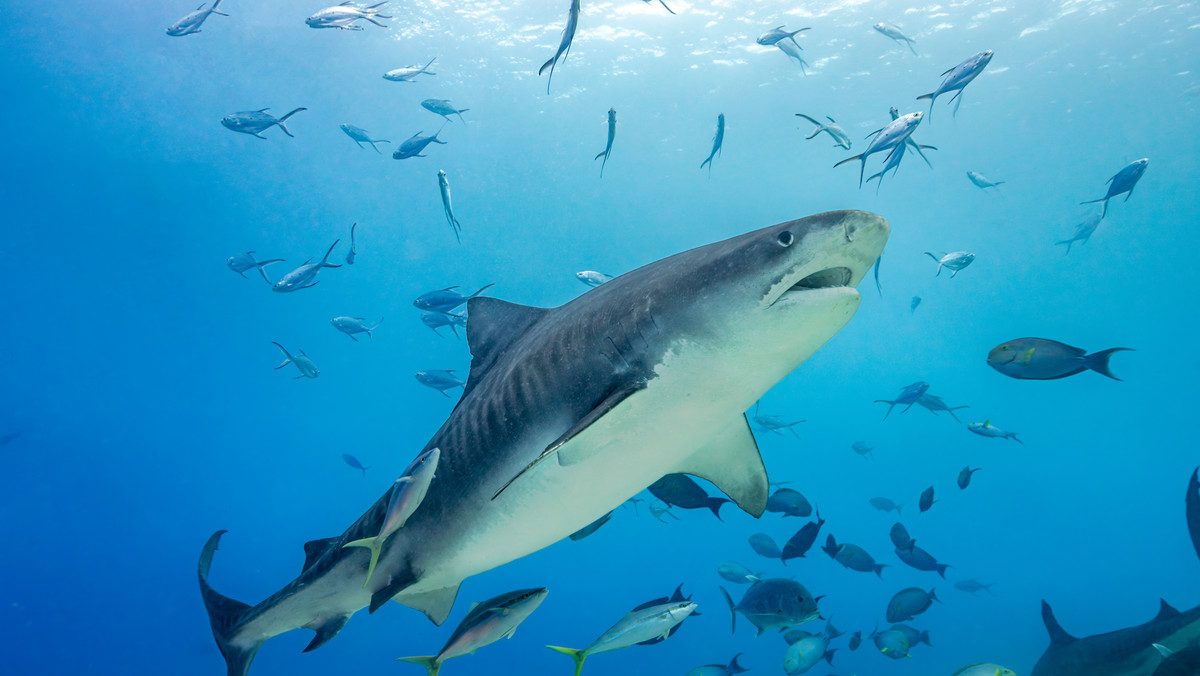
[827, 278]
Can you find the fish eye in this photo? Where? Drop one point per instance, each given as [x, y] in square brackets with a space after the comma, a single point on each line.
[785, 239]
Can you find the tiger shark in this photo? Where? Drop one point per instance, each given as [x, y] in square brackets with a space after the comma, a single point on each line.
[569, 411]
[1133, 651]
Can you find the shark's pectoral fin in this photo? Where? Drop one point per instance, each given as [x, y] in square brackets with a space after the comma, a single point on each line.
[313, 549]
[435, 604]
[731, 461]
[579, 452]
[326, 630]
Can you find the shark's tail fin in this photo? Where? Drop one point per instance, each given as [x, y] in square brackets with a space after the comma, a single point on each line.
[375, 545]
[224, 615]
[430, 662]
[1098, 361]
[284, 119]
[577, 655]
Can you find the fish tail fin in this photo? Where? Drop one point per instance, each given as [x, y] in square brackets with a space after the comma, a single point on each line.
[878, 568]
[714, 504]
[924, 637]
[214, 8]
[732, 611]
[224, 614]
[941, 569]
[600, 154]
[898, 508]
[374, 544]
[829, 656]
[575, 654]
[482, 289]
[430, 662]
[848, 159]
[933, 595]
[284, 119]
[327, 253]
[373, 19]
[1013, 436]
[287, 355]
[1101, 199]
[926, 96]
[1098, 361]
[262, 267]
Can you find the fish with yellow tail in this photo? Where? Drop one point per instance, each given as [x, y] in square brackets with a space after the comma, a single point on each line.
[635, 627]
[407, 494]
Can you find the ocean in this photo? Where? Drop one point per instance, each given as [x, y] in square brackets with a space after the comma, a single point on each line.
[140, 368]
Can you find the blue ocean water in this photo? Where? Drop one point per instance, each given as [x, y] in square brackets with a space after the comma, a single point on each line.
[139, 368]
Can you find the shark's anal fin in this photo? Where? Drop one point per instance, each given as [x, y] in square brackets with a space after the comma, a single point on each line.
[610, 401]
[313, 549]
[224, 614]
[731, 461]
[326, 629]
[435, 604]
[1058, 636]
[494, 325]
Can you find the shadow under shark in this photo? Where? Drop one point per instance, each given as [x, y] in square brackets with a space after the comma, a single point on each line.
[569, 411]
[1131, 651]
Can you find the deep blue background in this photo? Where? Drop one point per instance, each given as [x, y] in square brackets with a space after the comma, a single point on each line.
[138, 369]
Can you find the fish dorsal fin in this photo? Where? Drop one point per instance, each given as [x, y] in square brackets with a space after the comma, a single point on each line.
[1165, 611]
[435, 604]
[493, 326]
[313, 549]
[731, 462]
[1058, 636]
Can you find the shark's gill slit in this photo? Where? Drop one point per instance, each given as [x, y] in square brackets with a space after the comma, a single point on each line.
[827, 278]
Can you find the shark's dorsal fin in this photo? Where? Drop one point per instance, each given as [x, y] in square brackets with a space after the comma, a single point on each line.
[325, 631]
[731, 461]
[313, 549]
[493, 325]
[435, 604]
[1165, 611]
[1058, 636]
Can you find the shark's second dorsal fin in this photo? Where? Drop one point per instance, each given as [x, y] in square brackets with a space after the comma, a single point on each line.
[1058, 636]
[313, 549]
[493, 325]
[731, 461]
[1165, 610]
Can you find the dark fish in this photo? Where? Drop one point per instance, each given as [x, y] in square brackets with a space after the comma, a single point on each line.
[852, 557]
[676, 597]
[908, 603]
[718, 669]
[974, 586]
[789, 503]
[855, 640]
[964, 476]
[445, 300]
[353, 253]
[440, 380]
[764, 545]
[774, 603]
[1083, 231]
[718, 140]
[590, 528]
[1123, 181]
[900, 537]
[413, 146]
[885, 505]
[612, 134]
[1044, 359]
[564, 44]
[914, 636]
[1193, 509]
[918, 558]
[436, 320]
[908, 396]
[8, 438]
[957, 78]
[934, 403]
[255, 122]
[353, 462]
[678, 490]
[926, 499]
[799, 544]
[672, 12]
[912, 307]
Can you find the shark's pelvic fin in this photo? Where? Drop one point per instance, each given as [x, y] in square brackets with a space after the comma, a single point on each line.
[493, 327]
[399, 582]
[224, 614]
[731, 461]
[435, 604]
[326, 630]
[1058, 636]
[313, 549]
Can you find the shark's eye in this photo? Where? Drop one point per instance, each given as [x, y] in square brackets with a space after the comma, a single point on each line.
[785, 239]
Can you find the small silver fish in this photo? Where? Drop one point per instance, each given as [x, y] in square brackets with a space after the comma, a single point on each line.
[439, 380]
[255, 122]
[191, 23]
[637, 626]
[414, 145]
[305, 276]
[564, 44]
[444, 187]
[361, 136]
[302, 362]
[408, 73]
[840, 138]
[345, 15]
[353, 325]
[954, 261]
[245, 261]
[592, 278]
[442, 107]
[987, 429]
[895, 34]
